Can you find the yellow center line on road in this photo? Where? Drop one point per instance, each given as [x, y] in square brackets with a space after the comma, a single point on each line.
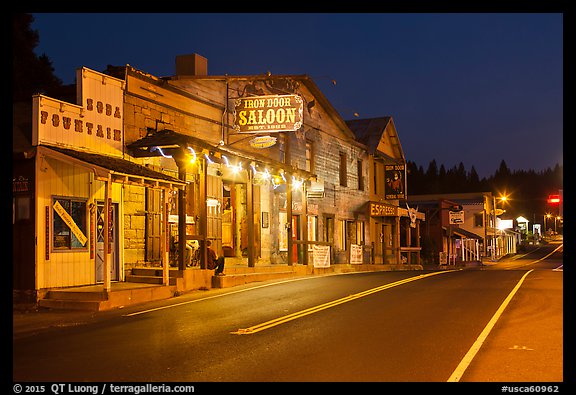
[315, 309]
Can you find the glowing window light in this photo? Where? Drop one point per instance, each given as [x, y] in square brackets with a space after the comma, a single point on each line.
[296, 183]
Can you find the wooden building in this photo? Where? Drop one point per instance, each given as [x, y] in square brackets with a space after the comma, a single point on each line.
[263, 166]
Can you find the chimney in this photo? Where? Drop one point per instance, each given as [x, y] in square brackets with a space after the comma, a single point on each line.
[192, 64]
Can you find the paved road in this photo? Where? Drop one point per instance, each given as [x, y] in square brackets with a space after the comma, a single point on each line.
[358, 328]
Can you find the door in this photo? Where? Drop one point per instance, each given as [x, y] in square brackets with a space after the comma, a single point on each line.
[114, 266]
[297, 252]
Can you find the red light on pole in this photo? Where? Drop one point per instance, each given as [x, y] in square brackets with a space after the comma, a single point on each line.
[553, 199]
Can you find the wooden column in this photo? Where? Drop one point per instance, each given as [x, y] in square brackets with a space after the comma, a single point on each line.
[107, 234]
[418, 241]
[181, 163]
[250, 219]
[203, 211]
[165, 237]
[305, 225]
[288, 227]
[396, 243]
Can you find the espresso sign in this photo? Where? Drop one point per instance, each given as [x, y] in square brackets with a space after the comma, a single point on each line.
[274, 113]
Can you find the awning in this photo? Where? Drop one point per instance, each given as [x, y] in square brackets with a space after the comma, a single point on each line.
[464, 234]
[121, 170]
[170, 142]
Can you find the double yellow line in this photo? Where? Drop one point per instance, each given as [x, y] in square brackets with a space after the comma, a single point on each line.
[315, 309]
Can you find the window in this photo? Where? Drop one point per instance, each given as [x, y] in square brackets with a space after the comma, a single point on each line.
[69, 224]
[375, 178]
[342, 239]
[282, 148]
[360, 232]
[479, 220]
[329, 229]
[343, 170]
[312, 230]
[309, 157]
[360, 175]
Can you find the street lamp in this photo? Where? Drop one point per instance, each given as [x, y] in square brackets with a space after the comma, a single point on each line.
[496, 212]
[548, 215]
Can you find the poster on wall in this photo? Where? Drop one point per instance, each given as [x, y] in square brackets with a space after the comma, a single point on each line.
[355, 254]
[282, 234]
[321, 256]
[395, 185]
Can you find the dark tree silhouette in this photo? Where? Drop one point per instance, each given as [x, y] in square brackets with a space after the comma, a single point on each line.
[31, 74]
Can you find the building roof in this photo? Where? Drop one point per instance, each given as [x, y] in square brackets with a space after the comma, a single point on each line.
[123, 170]
[463, 233]
[368, 131]
[379, 136]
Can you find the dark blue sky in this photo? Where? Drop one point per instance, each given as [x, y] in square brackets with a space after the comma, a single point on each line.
[476, 88]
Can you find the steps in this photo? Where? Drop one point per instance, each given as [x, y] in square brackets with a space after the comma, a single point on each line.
[243, 275]
[151, 276]
[94, 298]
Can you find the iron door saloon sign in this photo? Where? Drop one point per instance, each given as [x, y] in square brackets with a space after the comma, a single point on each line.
[274, 113]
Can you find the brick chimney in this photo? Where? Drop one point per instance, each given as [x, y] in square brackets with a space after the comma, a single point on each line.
[192, 64]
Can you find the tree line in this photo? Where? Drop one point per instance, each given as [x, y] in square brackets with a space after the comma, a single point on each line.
[527, 190]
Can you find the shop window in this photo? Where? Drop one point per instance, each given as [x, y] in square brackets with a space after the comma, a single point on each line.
[69, 224]
[312, 230]
[360, 232]
[329, 229]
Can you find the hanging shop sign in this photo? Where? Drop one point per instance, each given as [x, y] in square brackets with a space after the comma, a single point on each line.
[383, 210]
[272, 113]
[395, 182]
[263, 141]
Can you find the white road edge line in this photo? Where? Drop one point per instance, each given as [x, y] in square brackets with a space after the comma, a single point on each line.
[463, 365]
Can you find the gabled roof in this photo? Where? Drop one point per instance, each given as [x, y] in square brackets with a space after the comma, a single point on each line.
[379, 135]
[304, 79]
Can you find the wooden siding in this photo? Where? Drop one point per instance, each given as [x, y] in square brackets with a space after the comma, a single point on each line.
[60, 179]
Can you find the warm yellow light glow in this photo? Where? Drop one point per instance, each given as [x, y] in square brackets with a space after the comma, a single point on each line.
[296, 183]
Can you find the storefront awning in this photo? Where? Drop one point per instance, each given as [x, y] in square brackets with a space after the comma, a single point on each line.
[462, 233]
[121, 170]
[170, 141]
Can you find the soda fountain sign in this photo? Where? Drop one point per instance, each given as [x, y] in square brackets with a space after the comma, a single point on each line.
[273, 113]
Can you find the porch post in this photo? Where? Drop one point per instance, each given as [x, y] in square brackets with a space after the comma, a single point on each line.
[107, 227]
[165, 237]
[180, 162]
[250, 219]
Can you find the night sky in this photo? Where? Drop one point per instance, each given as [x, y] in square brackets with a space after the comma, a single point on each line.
[476, 88]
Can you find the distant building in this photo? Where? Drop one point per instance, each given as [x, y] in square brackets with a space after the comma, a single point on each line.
[462, 236]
